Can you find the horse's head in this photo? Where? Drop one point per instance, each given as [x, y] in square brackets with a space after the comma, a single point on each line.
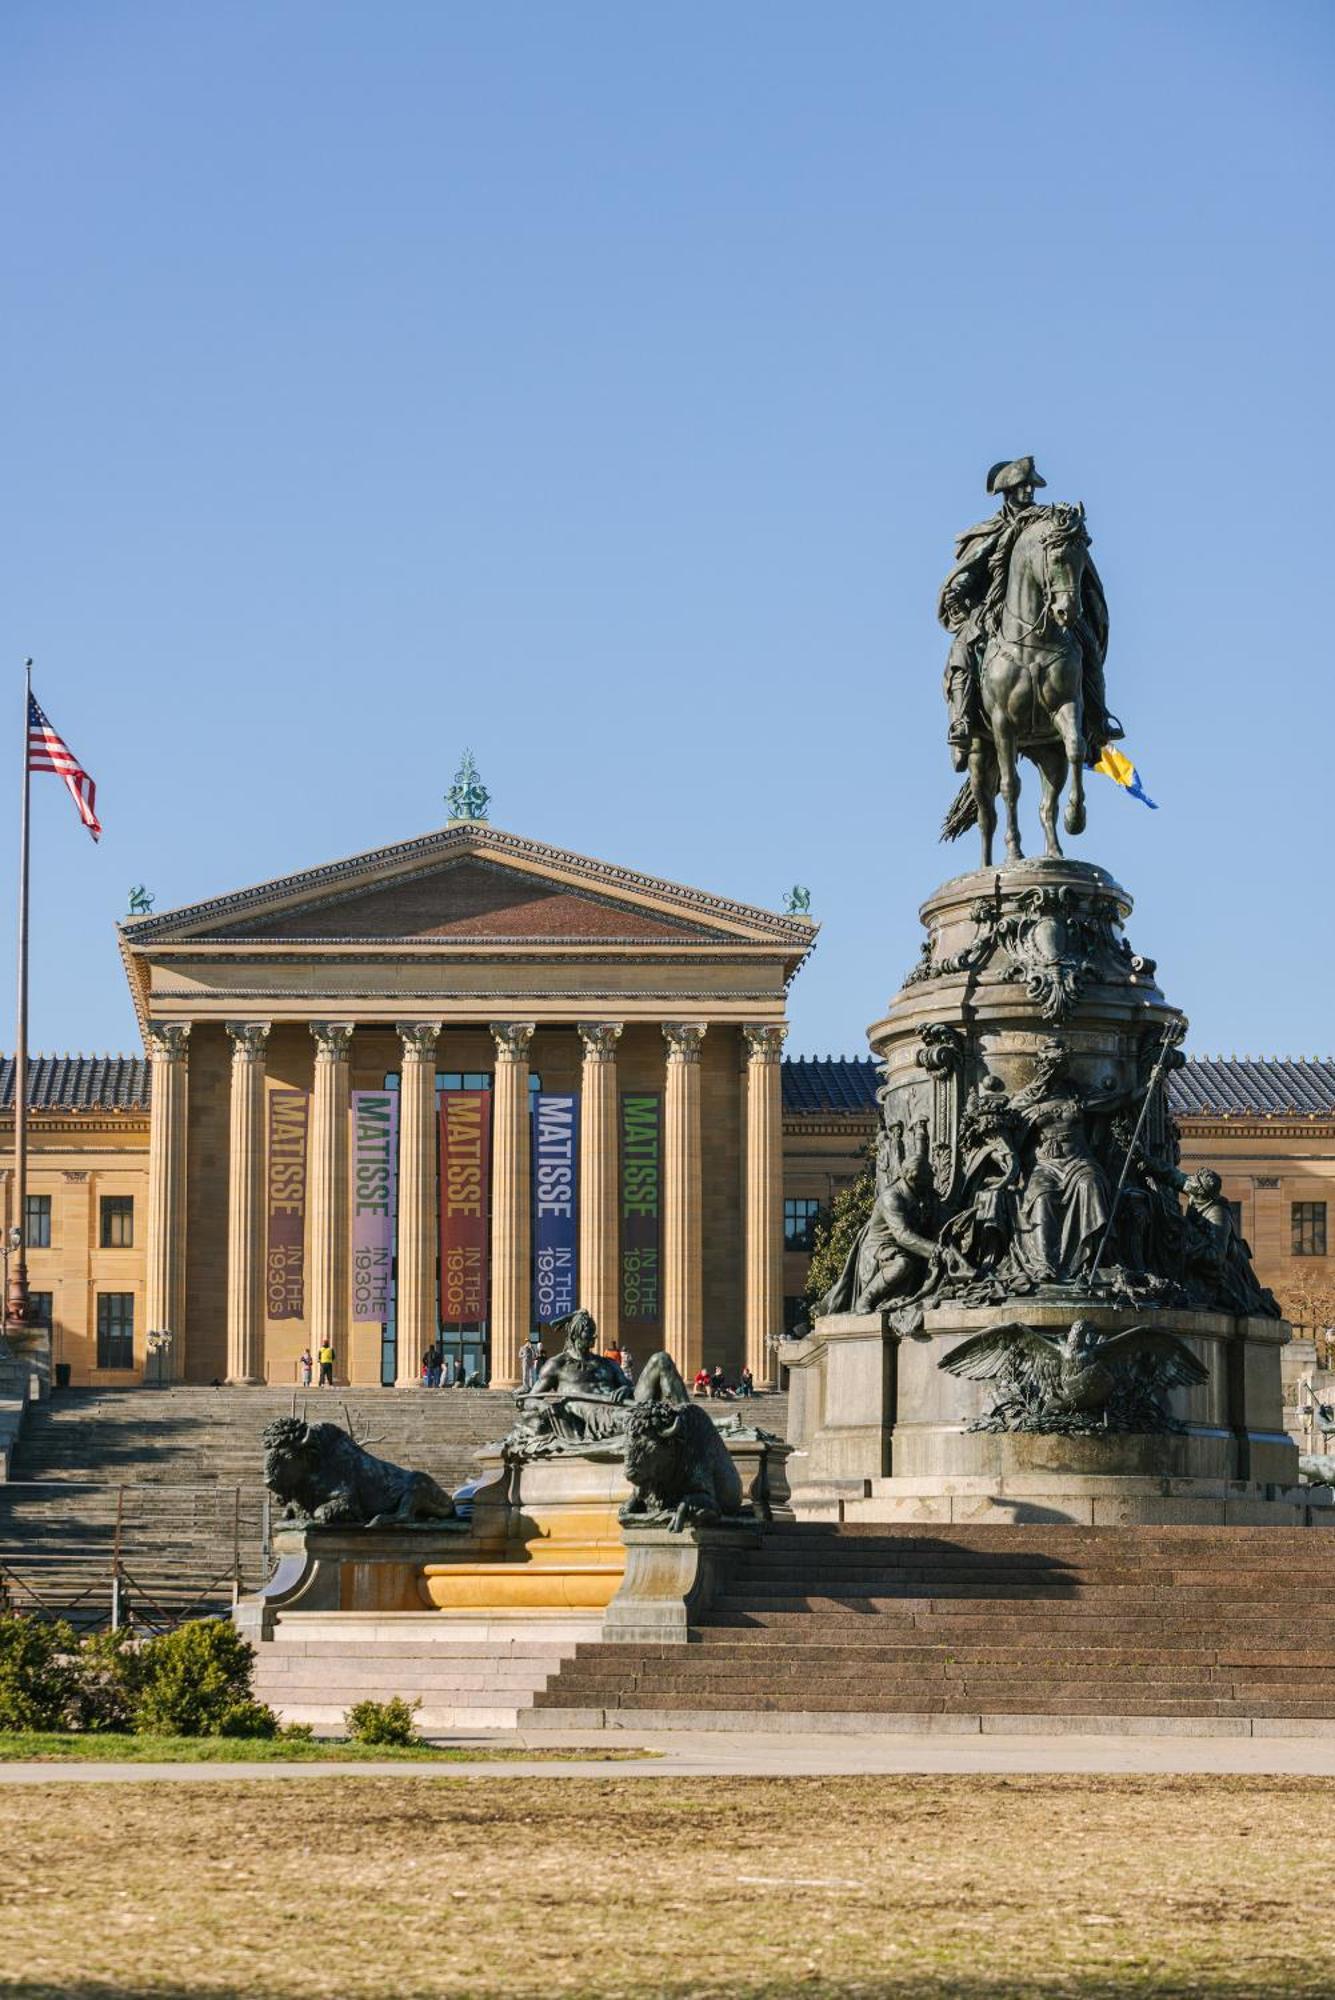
[1065, 541]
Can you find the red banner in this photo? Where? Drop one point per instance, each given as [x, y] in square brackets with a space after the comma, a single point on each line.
[465, 1191]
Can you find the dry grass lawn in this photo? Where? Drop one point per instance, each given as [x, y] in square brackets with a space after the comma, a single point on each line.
[909, 1888]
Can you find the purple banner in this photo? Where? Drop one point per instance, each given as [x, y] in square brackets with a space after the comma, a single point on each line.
[465, 1196]
[641, 1209]
[285, 1192]
[555, 1206]
[375, 1129]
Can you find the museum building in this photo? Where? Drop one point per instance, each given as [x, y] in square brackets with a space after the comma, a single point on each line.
[451, 1088]
[447, 1089]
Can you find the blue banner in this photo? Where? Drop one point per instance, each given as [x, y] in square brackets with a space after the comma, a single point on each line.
[555, 1206]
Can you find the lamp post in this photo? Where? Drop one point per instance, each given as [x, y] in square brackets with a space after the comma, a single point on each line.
[159, 1345]
[12, 1246]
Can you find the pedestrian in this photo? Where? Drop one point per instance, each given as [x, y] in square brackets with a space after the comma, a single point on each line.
[528, 1362]
[746, 1384]
[307, 1366]
[700, 1386]
[326, 1364]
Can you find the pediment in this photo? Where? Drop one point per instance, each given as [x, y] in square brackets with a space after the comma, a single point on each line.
[470, 882]
[468, 898]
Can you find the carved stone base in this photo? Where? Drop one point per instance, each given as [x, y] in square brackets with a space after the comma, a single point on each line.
[873, 1417]
[670, 1580]
[1018, 1498]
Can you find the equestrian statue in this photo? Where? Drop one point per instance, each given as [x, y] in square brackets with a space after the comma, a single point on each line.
[1029, 634]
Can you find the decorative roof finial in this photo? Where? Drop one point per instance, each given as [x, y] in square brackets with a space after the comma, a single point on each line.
[468, 797]
[797, 902]
[140, 901]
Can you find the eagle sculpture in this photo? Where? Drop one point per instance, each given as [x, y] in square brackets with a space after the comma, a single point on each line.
[1079, 1380]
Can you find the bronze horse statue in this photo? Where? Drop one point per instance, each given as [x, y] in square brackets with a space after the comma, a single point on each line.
[1031, 685]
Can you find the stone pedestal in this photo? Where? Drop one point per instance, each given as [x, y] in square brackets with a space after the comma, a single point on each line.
[671, 1579]
[1020, 1055]
[881, 1432]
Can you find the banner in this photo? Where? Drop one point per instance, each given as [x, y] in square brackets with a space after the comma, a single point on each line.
[555, 1207]
[465, 1191]
[641, 1210]
[375, 1153]
[285, 1200]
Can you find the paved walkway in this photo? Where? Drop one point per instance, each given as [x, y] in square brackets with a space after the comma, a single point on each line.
[686, 1754]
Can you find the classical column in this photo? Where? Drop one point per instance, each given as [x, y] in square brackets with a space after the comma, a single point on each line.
[330, 1308]
[599, 1287]
[764, 1198]
[164, 1276]
[245, 1204]
[415, 1298]
[683, 1288]
[511, 1226]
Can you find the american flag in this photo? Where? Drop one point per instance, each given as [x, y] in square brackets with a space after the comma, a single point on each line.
[49, 752]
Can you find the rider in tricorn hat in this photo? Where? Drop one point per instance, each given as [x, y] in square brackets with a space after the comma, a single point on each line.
[970, 603]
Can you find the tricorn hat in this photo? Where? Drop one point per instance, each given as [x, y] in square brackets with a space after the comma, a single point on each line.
[1008, 473]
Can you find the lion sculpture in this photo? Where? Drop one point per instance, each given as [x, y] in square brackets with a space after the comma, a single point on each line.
[321, 1473]
[678, 1467]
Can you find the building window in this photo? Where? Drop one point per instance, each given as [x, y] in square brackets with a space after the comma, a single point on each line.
[118, 1222]
[39, 1306]
[115, 1329]
[799, 1223]
[37, 1222]
[1309, 1228]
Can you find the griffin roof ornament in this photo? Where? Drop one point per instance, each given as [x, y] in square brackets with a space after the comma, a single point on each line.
[468, 797]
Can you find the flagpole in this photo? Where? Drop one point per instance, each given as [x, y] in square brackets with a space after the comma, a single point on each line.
[16, 1306]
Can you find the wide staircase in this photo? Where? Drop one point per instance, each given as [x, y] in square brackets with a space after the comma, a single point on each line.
[1228, 1630]
[161, 1492]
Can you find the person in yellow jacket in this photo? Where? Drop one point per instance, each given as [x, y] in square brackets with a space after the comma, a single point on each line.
[326, 1365]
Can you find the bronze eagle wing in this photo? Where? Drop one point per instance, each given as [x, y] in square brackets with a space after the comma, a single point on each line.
[1181, 1368]
[988, 1354]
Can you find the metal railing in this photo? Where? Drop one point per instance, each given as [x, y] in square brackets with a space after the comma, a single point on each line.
[94, 1564]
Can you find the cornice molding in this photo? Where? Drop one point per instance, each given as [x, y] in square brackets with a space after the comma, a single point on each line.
[488, 995]
[409, 859]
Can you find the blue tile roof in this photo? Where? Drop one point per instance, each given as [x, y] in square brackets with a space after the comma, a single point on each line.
[80, 1083]
[1207, 1087]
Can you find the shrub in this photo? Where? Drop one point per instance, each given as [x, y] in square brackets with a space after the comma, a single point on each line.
[186, 1682]
[104, 1669]
[39, 1674]
[248, 1718]
[392, 1722]
[297, 1732]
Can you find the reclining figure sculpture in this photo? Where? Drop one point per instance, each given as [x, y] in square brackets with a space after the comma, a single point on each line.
[581, 1403]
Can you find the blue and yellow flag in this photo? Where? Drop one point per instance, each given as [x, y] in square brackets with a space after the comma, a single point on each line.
[1123, 772]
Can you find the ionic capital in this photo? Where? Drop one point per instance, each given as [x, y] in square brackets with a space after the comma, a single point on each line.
[765, 1040]
[248, 1040]
[600, 1040]
[331, 1040]
[419, 1040]
[683, 1040]
[166, 1040]
[512, 1039]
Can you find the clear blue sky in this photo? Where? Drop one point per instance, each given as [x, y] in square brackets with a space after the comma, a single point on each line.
[601, 386]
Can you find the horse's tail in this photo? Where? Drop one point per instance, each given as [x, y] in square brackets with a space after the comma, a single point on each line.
[962, 815]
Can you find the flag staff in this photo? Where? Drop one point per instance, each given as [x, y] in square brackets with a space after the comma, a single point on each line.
[16, 1305]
